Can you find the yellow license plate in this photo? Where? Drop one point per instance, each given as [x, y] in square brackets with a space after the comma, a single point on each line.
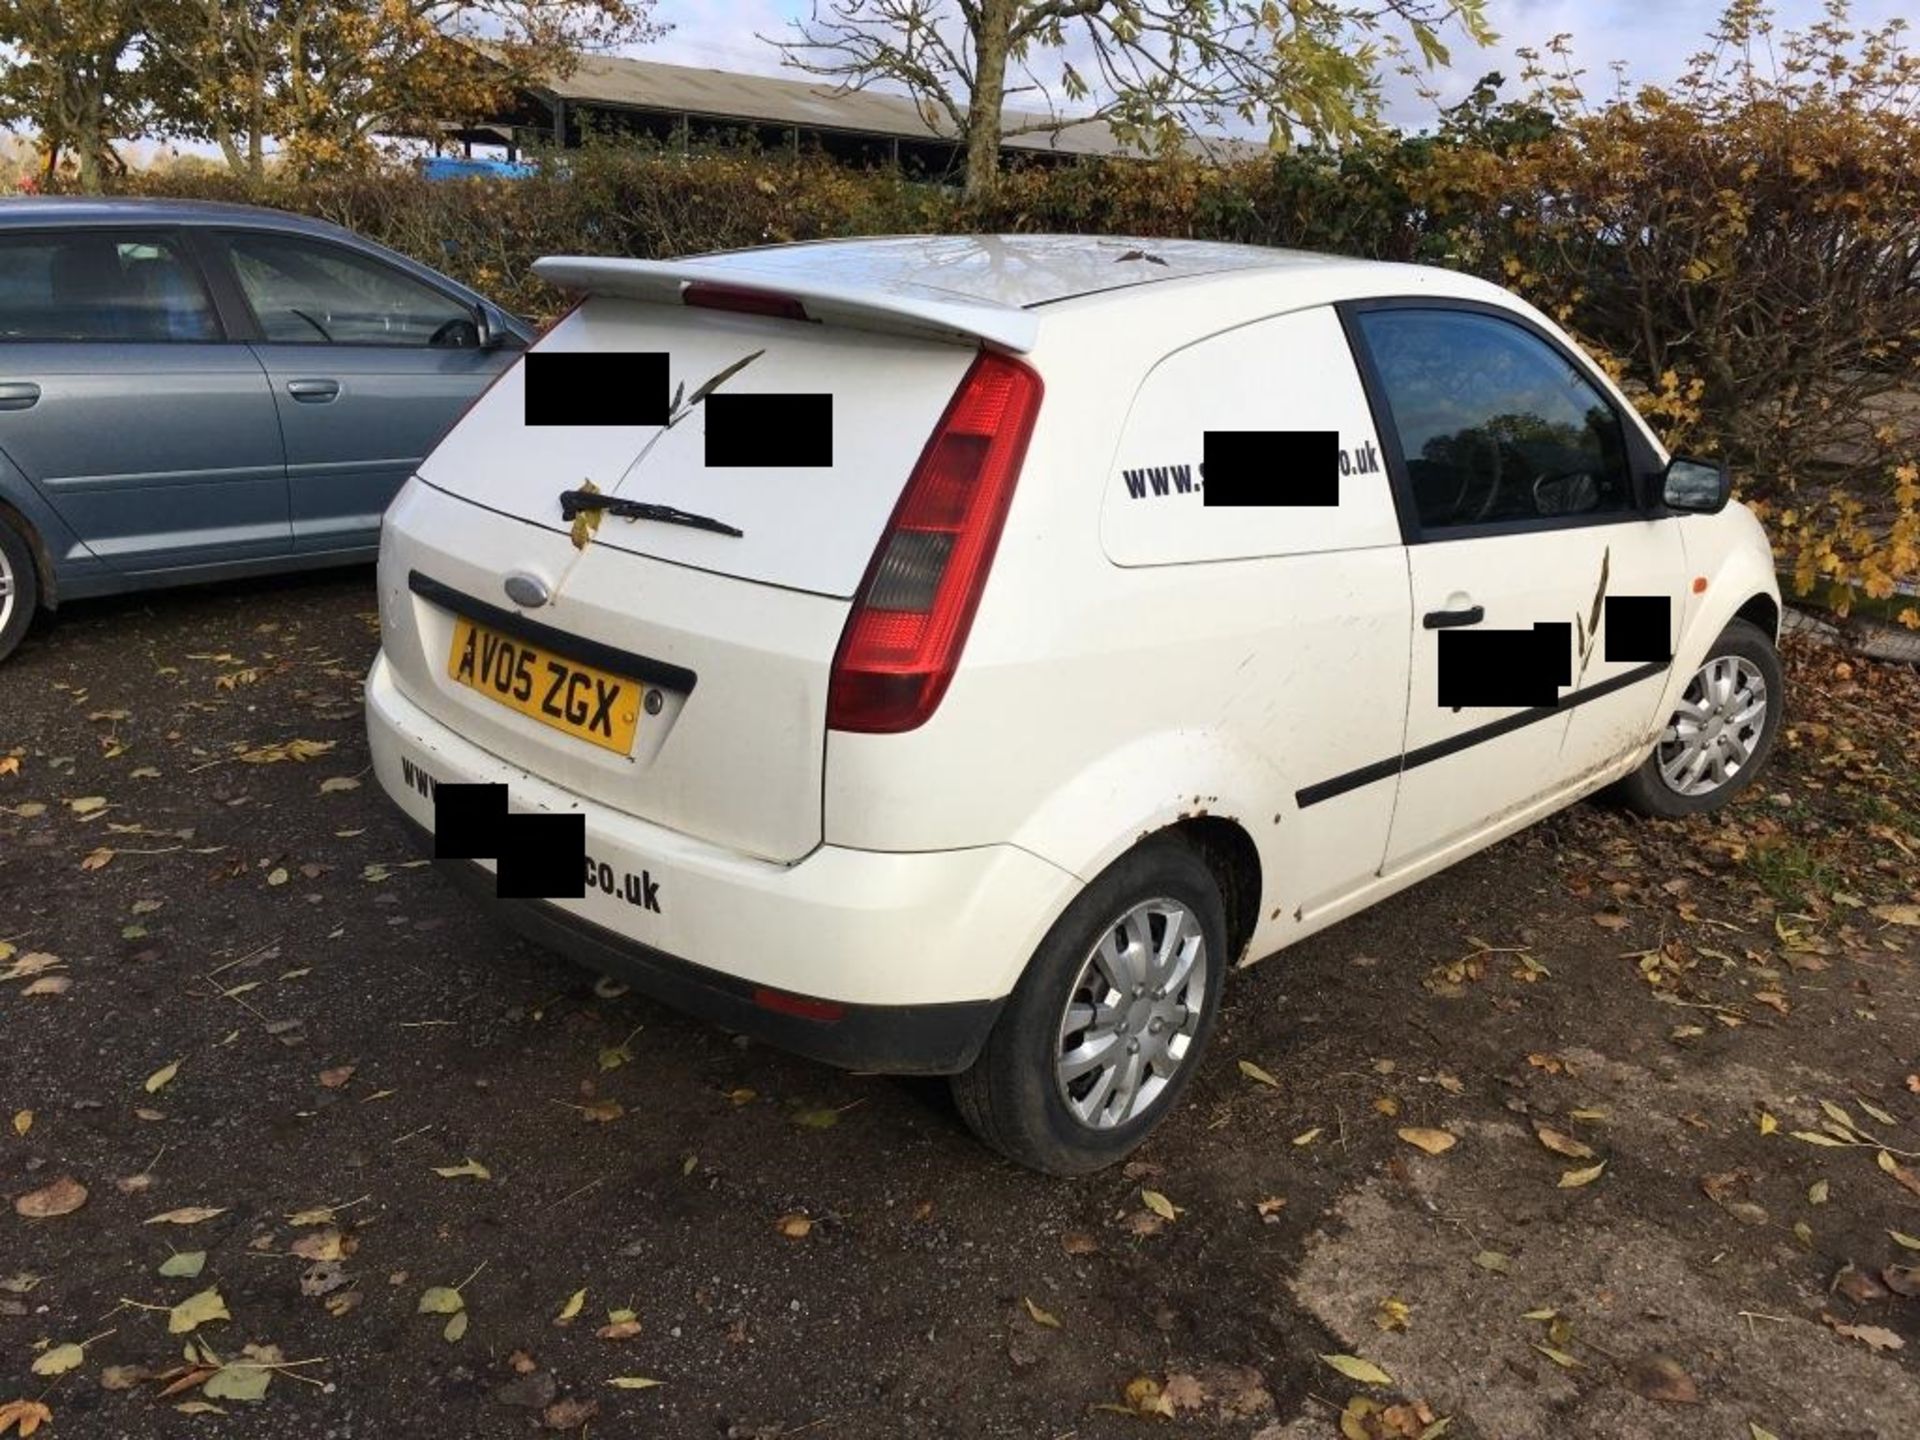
[584, 701]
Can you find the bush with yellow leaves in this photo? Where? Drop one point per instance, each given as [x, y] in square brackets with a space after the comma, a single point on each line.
[1742, 249]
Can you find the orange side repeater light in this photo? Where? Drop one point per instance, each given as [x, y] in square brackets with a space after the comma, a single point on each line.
[1699, 584]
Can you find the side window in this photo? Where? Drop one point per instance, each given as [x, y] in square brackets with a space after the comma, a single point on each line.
[100, 285]
[1495, 424]
[309, 292]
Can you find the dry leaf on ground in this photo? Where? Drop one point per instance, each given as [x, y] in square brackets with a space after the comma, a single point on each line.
[61, 1197]
[1354, 1368]
[1434, 1142]
[186, 1215]
[1561, 1143]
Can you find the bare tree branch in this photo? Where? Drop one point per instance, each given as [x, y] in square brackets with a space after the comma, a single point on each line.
[1154, 69]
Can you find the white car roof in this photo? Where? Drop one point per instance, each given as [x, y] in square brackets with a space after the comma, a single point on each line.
[989, 287]
[1012, 270]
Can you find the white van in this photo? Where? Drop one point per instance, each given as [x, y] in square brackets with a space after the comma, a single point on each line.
[984, 741]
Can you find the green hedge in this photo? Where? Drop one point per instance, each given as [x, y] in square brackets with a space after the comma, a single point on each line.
[650, 204]
[1752, 300]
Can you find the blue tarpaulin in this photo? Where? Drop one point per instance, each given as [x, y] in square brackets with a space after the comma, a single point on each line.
[449, 167]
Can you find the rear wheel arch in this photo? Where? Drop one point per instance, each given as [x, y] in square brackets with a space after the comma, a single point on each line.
[1229, 852]
[43, 572]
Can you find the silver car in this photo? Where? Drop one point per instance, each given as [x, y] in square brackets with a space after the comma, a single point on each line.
[193, 391]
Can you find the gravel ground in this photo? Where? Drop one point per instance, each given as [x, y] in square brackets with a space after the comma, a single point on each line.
[261, 1003]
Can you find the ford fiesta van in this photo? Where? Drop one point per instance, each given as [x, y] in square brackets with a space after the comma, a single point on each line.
[965, 651]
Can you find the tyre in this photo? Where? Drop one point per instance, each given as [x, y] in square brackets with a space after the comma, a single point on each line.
[1106, 1027]
[19, 587]
[1719, 737]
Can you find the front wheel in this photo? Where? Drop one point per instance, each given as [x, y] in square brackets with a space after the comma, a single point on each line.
[1106, 1027]
[1720, 734]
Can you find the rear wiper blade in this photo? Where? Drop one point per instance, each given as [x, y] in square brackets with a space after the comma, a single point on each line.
[572, 502]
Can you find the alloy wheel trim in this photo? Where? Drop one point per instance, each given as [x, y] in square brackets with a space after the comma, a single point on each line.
[1132, 1013]
[1710, 739]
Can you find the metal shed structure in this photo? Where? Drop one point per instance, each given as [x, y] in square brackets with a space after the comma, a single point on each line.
[686, 105]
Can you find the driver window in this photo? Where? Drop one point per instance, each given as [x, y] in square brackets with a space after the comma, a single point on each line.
[309, 293]
[1495, 425]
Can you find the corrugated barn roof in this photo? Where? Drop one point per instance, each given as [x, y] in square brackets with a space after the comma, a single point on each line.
[609, 80]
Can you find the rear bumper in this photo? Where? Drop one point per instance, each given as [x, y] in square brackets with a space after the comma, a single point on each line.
[871, 960]
[894, 1039]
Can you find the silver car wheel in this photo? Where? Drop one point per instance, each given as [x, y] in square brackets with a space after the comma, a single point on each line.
[1132, 1014]
[1716, 728]
[9, 589]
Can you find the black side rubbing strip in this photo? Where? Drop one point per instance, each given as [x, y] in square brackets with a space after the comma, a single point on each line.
[1638, 627]
[592, 652]
[1271, 467]
[1466, 739]
[1505, 667]
[586, 387]
[789, 431]
[540, 857]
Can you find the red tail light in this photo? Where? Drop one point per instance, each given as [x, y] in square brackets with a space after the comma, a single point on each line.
[914, 608]
[710, 296]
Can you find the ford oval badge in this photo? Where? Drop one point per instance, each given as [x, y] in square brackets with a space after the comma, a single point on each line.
[529, 591]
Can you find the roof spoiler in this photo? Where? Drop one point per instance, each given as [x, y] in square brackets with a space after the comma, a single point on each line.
[930, 314]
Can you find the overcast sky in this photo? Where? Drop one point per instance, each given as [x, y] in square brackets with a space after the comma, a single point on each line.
[1654, 37]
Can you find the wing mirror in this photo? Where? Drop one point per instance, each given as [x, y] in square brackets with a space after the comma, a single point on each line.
[1699, 487]
[487, 334]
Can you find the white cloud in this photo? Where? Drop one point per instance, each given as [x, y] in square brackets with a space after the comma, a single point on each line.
[722, 34]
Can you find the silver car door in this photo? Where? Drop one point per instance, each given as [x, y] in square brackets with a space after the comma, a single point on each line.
[122, 403]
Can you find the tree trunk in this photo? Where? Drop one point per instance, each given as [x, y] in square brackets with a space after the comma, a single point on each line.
[223, 137]
[88, 141]
[989, 90]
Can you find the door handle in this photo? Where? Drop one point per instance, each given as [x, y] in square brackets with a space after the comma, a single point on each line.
[18, 394]
[313, 392]
[1450, 619]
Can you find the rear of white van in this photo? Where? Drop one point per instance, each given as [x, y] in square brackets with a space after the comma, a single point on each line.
[722, 660]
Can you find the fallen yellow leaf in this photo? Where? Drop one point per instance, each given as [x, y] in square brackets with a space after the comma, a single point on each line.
[1354, 1368]
[1562, 1144]
[1434, 1142]
[186, 1215]
[196, 1310]
[59, 1360]
[1159, 1204]
[28, 1415]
